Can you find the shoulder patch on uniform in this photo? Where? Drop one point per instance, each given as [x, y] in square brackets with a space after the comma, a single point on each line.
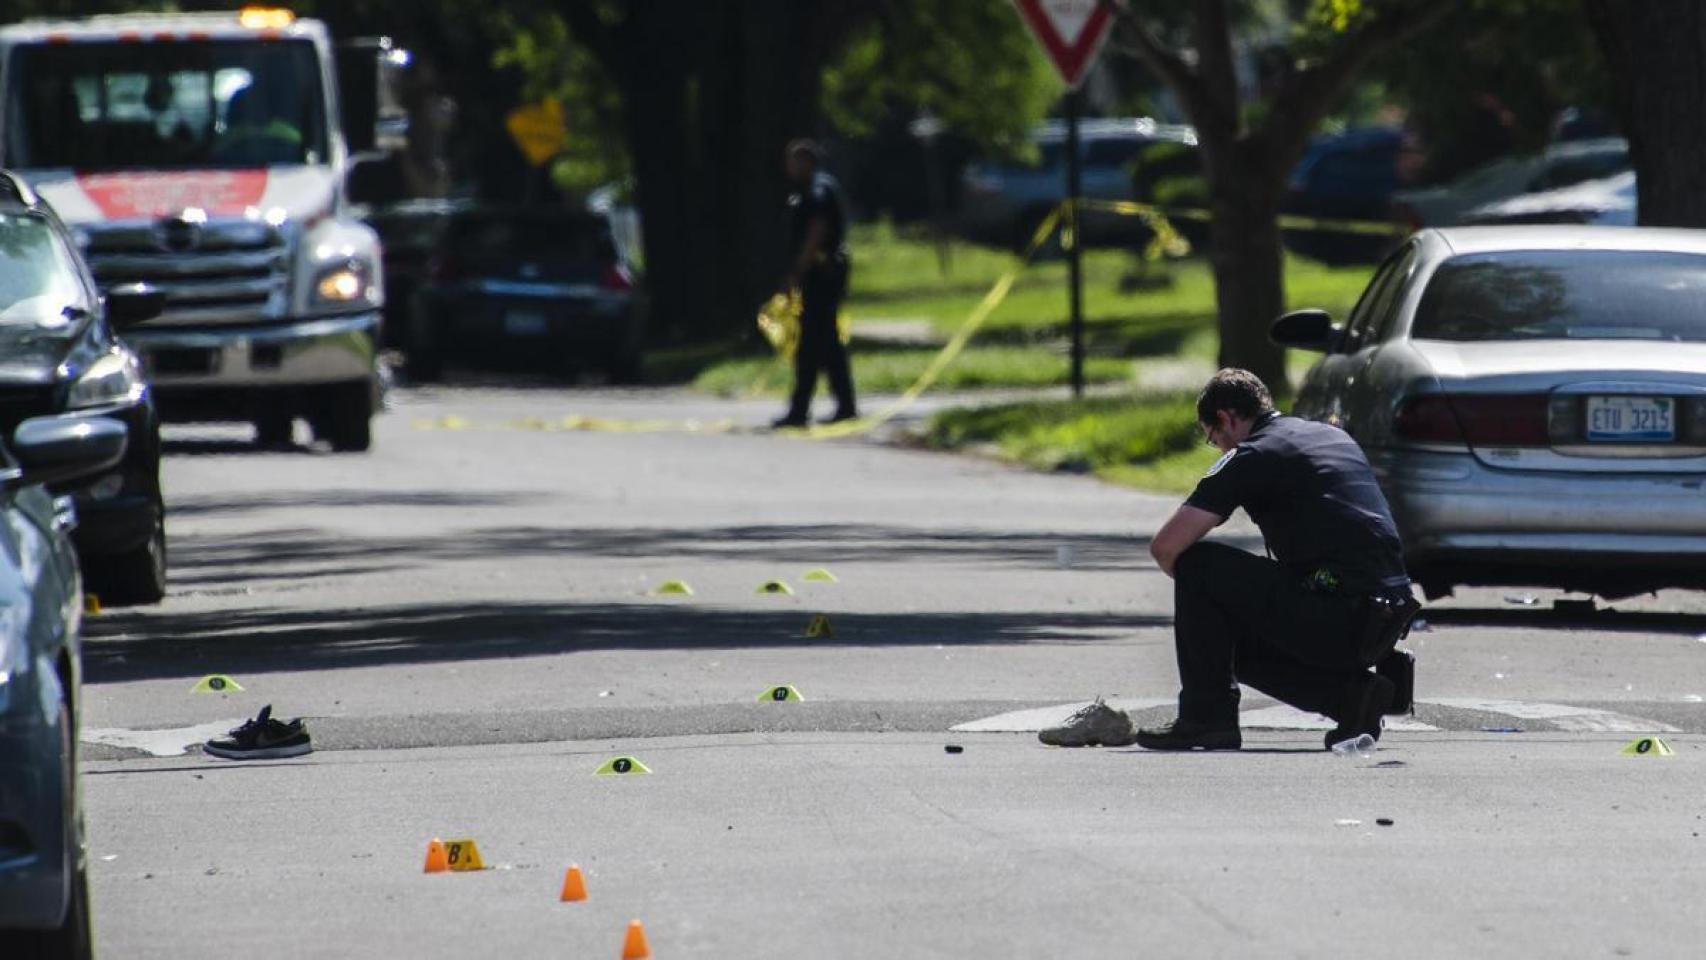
[1220, 464]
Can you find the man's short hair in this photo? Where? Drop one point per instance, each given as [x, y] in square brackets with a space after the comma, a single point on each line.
[1239, 391]
[806, 147]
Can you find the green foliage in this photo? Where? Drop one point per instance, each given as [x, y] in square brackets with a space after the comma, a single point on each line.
[1513, 65]
[554, 65]
[1149, 440]
[970, 63]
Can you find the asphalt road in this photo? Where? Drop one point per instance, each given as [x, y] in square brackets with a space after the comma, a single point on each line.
[466, 617]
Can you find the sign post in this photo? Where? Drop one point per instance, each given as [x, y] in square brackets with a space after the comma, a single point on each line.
[1071, 32]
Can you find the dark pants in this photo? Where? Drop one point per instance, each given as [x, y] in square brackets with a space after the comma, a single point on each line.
[821, 349]
[1240, 618]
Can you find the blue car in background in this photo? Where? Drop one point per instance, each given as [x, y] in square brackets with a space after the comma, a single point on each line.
[44, 892]
[1347, 176]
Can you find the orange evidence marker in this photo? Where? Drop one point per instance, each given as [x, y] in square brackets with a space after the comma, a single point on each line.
[636, 947]
[437, 860]
[574, 885]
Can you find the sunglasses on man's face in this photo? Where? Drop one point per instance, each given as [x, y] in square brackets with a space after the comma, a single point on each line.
[1208, 433]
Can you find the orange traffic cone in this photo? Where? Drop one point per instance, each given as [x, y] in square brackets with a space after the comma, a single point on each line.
[574, 885]
[636, 947]
[437, 860]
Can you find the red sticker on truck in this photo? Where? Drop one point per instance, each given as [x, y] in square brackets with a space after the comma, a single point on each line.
[153, 194]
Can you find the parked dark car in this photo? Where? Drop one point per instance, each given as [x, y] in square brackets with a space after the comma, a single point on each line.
[1003, 202]
[58, 354]
[44, 886]
[1347, 176]
[410, 232]
[544, 288]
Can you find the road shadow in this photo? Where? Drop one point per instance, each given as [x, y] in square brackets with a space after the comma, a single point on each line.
[233, 504]
[148, 644]
[1606, 619]
[294, 552]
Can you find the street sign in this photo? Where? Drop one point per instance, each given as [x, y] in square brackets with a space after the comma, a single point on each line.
[538, 130]
[1071, 32]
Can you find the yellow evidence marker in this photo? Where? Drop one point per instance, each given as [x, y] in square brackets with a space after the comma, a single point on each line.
[621, 766]
[673, 586]
[819, 627]
[461, 855]
[216, 683]
[91, 604]
[781, 694]
[1647, 747]
[775, 586]
[819, 575]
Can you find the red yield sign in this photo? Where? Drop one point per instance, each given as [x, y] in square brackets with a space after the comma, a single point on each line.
[1071, 32]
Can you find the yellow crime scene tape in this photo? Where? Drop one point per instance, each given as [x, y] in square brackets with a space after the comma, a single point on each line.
[779, 322]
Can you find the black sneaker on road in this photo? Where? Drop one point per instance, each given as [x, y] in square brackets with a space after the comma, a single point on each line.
[262, 738]
[1190, 735]
[1366, 702]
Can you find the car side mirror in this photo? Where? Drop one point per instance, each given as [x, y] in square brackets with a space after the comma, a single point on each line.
[1303, 330]
[135, 303]
[56, 449]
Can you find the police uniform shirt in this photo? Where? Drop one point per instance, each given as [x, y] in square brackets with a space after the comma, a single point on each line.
[820, 198]
[1309, 488]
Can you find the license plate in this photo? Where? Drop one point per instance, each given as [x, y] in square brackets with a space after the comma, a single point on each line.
[524, 323]
[1625, 419]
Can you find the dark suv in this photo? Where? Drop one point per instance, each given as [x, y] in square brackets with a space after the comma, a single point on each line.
[544, 288]
[58, 355]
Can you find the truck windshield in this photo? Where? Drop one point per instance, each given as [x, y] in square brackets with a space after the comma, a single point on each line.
[127, 106]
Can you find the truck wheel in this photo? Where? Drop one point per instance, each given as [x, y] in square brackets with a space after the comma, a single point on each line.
[133, 578]
[273, 430]
[346, 417]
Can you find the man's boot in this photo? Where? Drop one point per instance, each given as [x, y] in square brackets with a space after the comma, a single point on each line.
[1399, 666]
[1185, 734]
[1365, 701]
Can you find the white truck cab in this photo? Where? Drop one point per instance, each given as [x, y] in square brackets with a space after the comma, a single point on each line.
[202, 155]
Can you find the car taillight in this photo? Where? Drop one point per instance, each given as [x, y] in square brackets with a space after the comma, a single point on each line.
[616, 278]
[1490, 419]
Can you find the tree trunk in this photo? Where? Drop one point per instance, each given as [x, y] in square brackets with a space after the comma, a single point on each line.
[1657, 53]
[1249, 268]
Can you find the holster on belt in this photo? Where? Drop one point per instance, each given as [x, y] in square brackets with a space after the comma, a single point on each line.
[1383, 621]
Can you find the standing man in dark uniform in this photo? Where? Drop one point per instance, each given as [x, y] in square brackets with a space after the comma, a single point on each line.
[819, 267]
[1304, 627]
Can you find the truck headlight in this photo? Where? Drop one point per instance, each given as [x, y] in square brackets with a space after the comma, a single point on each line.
[343, 283]
[114, 379]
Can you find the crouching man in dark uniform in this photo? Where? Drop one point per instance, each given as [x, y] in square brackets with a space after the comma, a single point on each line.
[1304, 627]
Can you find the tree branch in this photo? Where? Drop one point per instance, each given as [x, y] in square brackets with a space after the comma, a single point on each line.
[1212, 31]
[1167, 66]
[593, 33]
[1306, 94]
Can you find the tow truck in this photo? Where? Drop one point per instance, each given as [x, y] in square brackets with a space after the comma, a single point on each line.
[206, 157]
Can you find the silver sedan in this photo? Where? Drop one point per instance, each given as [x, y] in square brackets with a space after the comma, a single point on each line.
[1533, 400]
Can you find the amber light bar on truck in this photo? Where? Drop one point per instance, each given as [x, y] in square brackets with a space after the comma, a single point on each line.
[265, 18]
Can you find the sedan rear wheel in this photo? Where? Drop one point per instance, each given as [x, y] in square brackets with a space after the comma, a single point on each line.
[71, 940]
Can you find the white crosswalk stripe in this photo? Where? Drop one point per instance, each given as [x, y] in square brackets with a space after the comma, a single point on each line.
[1556, 716]
[1563, 716]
